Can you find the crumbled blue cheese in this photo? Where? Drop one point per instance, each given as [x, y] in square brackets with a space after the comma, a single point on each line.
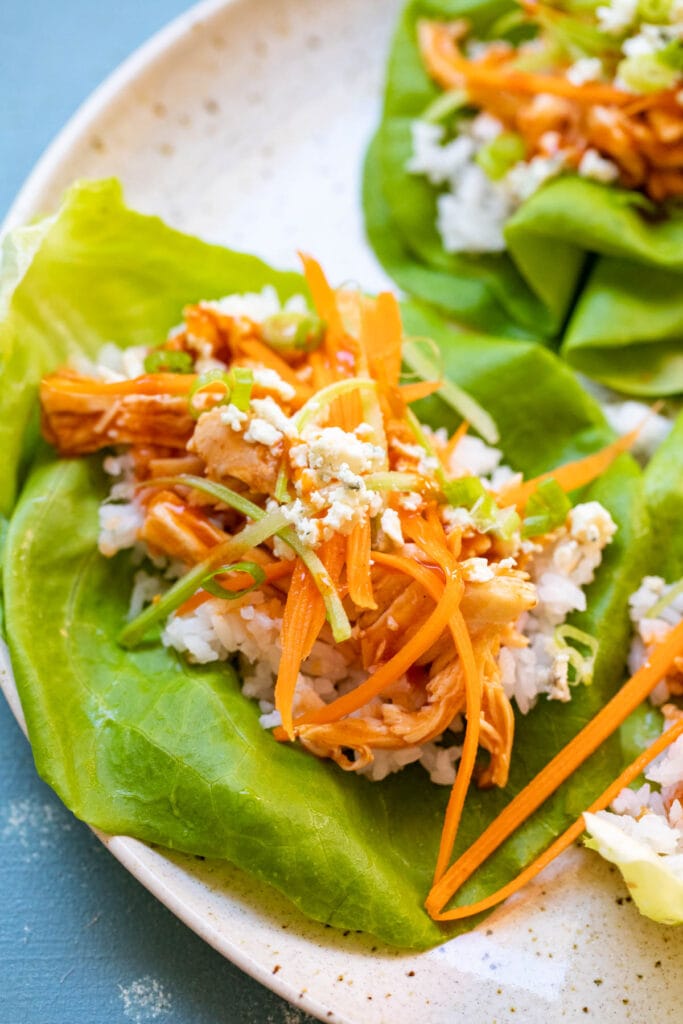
[597, 167]
[333, 452]
[616, 16]
[233, 417]
[477, 570]
[272, 381]
[269, 423]
[391, 526]
[261, 432]
[585, 69]
[591, 523]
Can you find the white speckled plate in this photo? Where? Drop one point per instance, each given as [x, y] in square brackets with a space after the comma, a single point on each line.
[246, 122]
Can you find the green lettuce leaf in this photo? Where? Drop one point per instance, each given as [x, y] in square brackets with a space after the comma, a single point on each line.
[67, 286]
[589, 266]
[142, 743]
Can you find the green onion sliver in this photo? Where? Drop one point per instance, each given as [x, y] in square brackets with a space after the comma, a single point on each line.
[546, 509]
[425, 443]
[665, 600]
[336, 616]
[415, 357]
[252, 569]
[242, 382]
[392, 480]
[581, 663]
[203, 381]
[315, 405]
[463, 492]
[250, 537]
[444, 105]
[164, 360]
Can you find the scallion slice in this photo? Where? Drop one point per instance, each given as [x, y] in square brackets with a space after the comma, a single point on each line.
[263, 523]
[204, 381]
[214, 588]
[164, 360]
[546, 509]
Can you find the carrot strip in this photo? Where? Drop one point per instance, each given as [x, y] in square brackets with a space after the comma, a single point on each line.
[322, 294]
[420, 389]
[473, 688]
[302, 620]
[566, 839]
[382, 334]
[572, 474]
[446, 64]
[148, 384]
[455, 440]
[358, 566]
[261, 353]
[463, 646]
[632, 693]
[274, 571]
[393, 669]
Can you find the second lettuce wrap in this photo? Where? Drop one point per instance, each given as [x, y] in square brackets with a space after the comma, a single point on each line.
[592, 268]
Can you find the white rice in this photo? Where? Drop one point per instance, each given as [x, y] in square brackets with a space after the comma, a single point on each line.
[650, 629]
[653, 814]
[624, 417]
[560, 571]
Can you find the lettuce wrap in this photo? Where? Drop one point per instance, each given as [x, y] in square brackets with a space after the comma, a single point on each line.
[591, 267]
[142, 743]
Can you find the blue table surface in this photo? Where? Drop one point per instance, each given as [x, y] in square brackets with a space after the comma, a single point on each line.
[81, 942]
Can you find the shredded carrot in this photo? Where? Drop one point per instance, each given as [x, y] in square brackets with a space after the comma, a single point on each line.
[560, 768]
[452, 70]
[148, 384]
[567, 838]
[358, 565]
[421, 641]
[274, 571]
[473, 690]
[303, 617]
[419, 389]
[572, 474]
[261, 353]
[382, 335]
[455, 440]
[323, 295]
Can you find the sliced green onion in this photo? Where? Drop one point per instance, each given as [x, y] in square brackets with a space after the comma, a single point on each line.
[500, 154]
[654, 12]
[513, 19]
[253, 569]
[672, 54]
[281, 493]
[444, 105]
[425, 443]
[546, 509]
[315, 405]
[508, 523]
[205, 380]
[463, 492]
[336, 616]
[394, 481]
[242, 382]
[647, 73]
[293, 333]
[165, 360]
[582, 664]
[664, 601]
[428, 369]
[250, 537]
